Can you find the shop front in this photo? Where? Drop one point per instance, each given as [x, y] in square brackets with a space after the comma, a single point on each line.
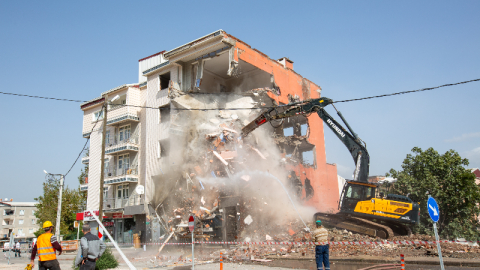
[124, 226]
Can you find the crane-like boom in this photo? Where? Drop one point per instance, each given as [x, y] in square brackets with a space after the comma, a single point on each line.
[354, 145]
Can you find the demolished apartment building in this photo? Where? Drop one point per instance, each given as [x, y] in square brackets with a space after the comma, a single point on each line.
[185, 146]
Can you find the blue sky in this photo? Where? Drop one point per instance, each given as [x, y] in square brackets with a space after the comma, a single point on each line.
[352, 49]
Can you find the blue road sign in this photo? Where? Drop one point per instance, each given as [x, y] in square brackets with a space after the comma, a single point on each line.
[433, 209]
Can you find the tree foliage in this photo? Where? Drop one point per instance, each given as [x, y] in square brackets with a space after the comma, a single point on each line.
[445, 178]
[47, 206]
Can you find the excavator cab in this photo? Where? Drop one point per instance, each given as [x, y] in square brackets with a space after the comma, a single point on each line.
[354, 192]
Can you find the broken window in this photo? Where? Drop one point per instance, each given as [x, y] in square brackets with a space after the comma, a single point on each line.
[295, 184]
[164, 80]
[288, 131]
[303, 129]
[308, 189]
[164, 114]
[308, 157]
[163, 148]
[295, 126]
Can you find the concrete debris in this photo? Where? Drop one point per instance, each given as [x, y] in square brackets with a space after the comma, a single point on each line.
[245, 177]
[248, 220]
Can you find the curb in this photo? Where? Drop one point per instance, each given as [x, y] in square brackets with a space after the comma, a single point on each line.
[390, 260]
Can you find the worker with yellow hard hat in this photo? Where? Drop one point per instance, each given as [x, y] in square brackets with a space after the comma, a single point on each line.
[45, 246]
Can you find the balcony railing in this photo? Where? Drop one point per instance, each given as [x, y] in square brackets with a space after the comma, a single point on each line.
[84, 187]
[121, 114]
[85, 160]
[114, 175]
[115, 203]
[130, 144]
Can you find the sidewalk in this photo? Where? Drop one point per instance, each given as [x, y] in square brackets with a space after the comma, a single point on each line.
[387, 260]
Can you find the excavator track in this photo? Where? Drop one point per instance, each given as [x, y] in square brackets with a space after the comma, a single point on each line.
[355, 224]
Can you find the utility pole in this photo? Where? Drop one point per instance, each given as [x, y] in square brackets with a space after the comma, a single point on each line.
[102, 161]
[59, 205]
[59, 210]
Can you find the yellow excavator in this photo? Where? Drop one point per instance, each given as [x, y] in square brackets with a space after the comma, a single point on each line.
[362, 210]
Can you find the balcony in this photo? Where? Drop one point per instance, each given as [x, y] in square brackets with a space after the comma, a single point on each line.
[85, 160]
[120, 114]
[84, 187]
[116, 203]
[124, 175]
[124, 146]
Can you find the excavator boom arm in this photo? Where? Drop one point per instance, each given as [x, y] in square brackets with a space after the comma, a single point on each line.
[356, 149]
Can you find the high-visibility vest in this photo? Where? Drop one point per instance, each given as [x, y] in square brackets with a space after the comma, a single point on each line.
[45, 250]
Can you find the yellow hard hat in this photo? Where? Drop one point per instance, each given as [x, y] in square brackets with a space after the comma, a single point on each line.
[47, 224]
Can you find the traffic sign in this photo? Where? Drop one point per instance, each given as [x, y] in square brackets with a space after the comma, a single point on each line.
[191, 223]
[433, 209]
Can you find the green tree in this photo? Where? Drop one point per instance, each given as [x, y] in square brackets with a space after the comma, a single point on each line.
[445, 178]
[47, 206]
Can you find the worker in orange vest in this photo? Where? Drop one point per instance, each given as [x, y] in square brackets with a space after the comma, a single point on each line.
[45, 246]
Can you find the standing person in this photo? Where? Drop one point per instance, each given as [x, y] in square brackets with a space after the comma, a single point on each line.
[46, 245]
[321, 251]
[17, 249]
[91, 249]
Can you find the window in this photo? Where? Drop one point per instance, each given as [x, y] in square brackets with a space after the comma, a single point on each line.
[107, 138]
[164, 80]
[124, 133]
[34, 221]
[123, 163]
[22, 212]
[20, 231]
[30, 230]
[105, 193]
[33, 212]
[8, 212]
[122, 191]
[106, 167]
[98, 115]
[355, 192]
[20, 222]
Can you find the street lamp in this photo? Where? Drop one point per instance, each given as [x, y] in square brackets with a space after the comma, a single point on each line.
[59, 209]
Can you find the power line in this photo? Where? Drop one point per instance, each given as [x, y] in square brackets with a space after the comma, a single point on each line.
[253, 108]
[407, 92]
[211, 109]
[24, 95]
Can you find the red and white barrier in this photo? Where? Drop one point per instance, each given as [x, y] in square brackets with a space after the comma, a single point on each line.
[309, 243]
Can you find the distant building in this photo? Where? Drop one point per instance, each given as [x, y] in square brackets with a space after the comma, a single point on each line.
[476, 171]
[375, 178]
[19, 218]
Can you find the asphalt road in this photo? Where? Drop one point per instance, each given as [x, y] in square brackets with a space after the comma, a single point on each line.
[66, 263]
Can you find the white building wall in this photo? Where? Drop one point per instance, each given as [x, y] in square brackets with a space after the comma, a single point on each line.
[154, 98]
[147, 64]
[88, 116]
[94, 168]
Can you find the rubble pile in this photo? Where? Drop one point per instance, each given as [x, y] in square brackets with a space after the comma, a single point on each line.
[237, 188]
[240, 189]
